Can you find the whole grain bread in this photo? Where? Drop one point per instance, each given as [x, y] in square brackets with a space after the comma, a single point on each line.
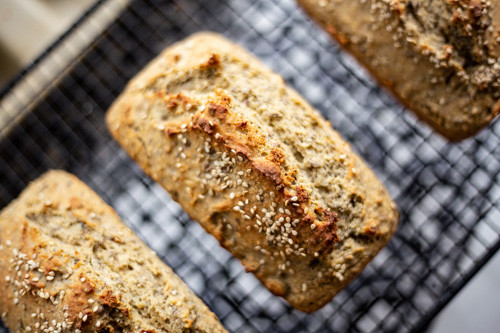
[256, 166]
[440, 58]
[69, 264]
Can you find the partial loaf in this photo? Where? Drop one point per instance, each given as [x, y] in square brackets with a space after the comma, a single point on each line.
[440, 58]
[69, 264]
[256, 166]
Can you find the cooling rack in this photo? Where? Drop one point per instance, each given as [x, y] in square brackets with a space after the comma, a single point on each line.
[448, 194]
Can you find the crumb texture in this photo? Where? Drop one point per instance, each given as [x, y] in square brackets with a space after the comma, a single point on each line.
[260, 169]
[69, 264]
[441, 58]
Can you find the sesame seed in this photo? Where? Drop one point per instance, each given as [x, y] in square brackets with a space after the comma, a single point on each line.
[231, 195]
[91, 301]
[82, 279]
[84, 319]
[294, 198]
[96, 308]
[313, 226]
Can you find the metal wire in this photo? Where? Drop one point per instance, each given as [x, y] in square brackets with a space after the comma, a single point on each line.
[448, 194]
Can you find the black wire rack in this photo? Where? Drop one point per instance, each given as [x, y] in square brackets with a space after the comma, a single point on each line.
[448, 194]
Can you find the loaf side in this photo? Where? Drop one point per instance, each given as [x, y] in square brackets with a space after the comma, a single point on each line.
[69, 264]
[256, 166]
[440, 58]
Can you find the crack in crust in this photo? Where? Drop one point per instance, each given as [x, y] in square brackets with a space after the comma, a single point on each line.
[217, 118]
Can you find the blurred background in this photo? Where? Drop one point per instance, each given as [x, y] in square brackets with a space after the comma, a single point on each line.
[27, 29]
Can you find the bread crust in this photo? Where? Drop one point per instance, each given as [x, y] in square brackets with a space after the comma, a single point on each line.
[438, 58]
[256, 166]
[68, 264]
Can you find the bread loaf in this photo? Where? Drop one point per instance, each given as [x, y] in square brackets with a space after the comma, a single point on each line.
[440, 58]
[256, 166]
[68, 264]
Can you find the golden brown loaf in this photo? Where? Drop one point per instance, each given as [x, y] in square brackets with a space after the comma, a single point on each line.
[256, 166]
[68, 264]
[439, 57]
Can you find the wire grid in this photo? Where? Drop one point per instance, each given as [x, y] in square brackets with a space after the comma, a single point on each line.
[447, 194]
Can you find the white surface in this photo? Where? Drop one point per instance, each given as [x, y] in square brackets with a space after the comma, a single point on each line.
[27, 27]
[38, 81]
[477, 307]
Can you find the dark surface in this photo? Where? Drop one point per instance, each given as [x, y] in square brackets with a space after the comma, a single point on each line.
[447, 194]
